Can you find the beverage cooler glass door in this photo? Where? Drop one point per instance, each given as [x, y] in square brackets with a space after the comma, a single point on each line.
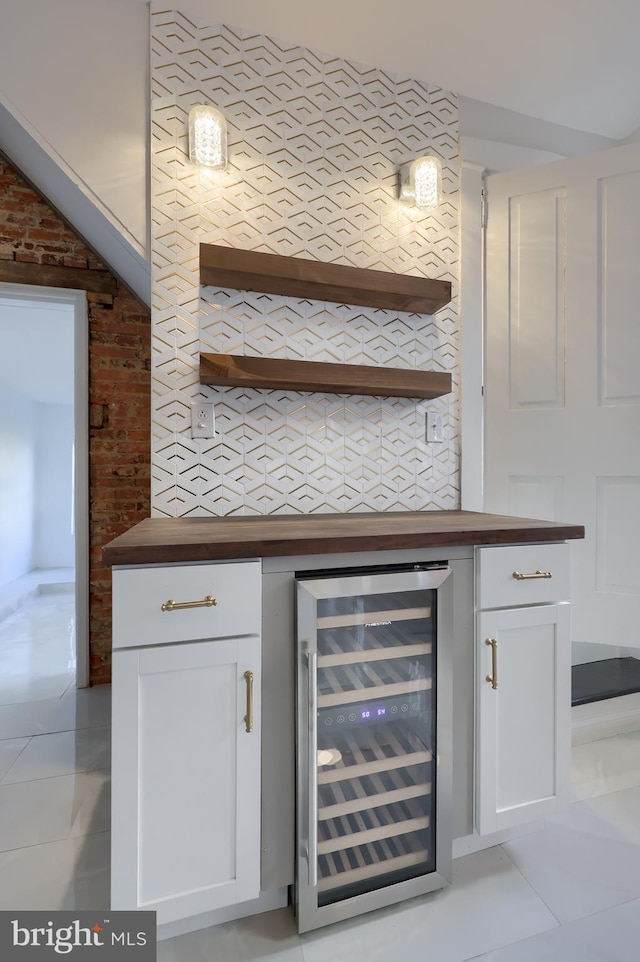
[373, 740]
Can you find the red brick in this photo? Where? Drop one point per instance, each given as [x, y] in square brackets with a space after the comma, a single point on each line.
[119, 387]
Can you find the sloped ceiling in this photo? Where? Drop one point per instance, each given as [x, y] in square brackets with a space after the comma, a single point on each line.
[570, 62]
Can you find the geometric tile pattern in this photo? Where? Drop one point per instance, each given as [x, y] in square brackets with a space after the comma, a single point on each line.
[314, 146]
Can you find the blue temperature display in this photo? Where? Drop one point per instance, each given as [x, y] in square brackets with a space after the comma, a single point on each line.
[373, 712]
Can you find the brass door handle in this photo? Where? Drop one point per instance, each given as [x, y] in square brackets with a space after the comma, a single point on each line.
[248, 718]
[493, 677]
[534, 574]
[177, 605]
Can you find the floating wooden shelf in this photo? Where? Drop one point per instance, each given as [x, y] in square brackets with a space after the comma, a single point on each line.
[275, 373]
[298, 277]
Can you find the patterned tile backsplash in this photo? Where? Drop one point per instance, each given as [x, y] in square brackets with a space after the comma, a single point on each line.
[314, 147]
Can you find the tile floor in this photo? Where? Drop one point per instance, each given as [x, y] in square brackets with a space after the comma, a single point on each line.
[54, 764]
[569, 892]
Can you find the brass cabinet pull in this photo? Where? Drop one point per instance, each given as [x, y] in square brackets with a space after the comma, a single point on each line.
[248, 718]
[533, 574]
[176, 605]
[493, 677]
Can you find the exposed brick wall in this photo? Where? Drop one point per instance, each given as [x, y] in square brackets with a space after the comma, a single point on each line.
[119, 389]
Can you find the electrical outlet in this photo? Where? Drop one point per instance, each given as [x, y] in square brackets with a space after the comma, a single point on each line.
[433, 428]
[203, 420]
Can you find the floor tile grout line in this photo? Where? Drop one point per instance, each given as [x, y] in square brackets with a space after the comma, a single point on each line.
[562, 925]
[8, 772]
[45, 778]
[58, 731]
[530, 884]
[53, 841]
[63, 731]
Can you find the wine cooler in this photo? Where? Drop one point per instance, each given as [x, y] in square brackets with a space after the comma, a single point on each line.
[373, 738]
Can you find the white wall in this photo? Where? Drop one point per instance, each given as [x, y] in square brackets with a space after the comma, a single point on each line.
[17, 482]
[74, 118]
[74, 105]
[54, 542]
[314, 147]
[35, 485]
[76, 72]
[36, 432]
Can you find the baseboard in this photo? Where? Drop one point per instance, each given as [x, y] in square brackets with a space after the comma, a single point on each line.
[602, 719]
[266, 902]
[38, 581]
[469, 844]
[57, 588]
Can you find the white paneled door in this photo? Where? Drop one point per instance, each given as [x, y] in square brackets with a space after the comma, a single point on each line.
[562, 371]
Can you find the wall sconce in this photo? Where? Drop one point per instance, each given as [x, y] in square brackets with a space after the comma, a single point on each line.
[420, 183]
[207, 137]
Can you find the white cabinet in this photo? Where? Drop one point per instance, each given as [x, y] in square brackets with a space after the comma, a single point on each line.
[186, 739]
[523, 684]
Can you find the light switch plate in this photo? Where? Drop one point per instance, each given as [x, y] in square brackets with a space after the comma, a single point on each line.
[433, 428]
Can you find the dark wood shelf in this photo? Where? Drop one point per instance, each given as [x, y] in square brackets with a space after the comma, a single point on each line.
[302, 278]
[277, 374]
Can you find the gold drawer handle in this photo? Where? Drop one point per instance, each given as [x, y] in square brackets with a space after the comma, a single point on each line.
[248, 718]
[534, 574]
[493, 677]
[207, 602]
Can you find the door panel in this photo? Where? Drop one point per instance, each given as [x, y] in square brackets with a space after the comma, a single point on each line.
[536, 300]
[562, 389]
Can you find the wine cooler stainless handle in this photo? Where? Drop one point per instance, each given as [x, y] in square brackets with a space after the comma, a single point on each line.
[312, 854]
[493, 677]
[519, 576]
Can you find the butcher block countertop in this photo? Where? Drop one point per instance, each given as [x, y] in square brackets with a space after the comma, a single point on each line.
[174, 540]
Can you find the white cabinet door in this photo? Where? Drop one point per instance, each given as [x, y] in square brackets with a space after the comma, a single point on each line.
[523, 724]
[186, 777]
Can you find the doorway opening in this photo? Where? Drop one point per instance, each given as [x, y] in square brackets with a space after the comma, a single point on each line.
[44, 482]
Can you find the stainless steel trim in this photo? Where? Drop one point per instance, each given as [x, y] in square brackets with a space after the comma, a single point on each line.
[444, 729]
[312, 851]
[310, 915]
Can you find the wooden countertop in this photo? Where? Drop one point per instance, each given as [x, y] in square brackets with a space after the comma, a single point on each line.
[167, 540]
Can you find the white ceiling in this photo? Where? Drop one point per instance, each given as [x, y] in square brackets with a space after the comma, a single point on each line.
[570, 62]
[36, 350]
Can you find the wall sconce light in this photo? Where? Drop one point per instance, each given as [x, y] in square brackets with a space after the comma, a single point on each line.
[207, 137]
[420, 183]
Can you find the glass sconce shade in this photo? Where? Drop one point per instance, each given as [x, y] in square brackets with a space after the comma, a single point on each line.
[207, 137]
[420, 183]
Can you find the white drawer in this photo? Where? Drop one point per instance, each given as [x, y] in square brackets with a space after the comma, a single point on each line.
[498, 586]
[140, 593]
